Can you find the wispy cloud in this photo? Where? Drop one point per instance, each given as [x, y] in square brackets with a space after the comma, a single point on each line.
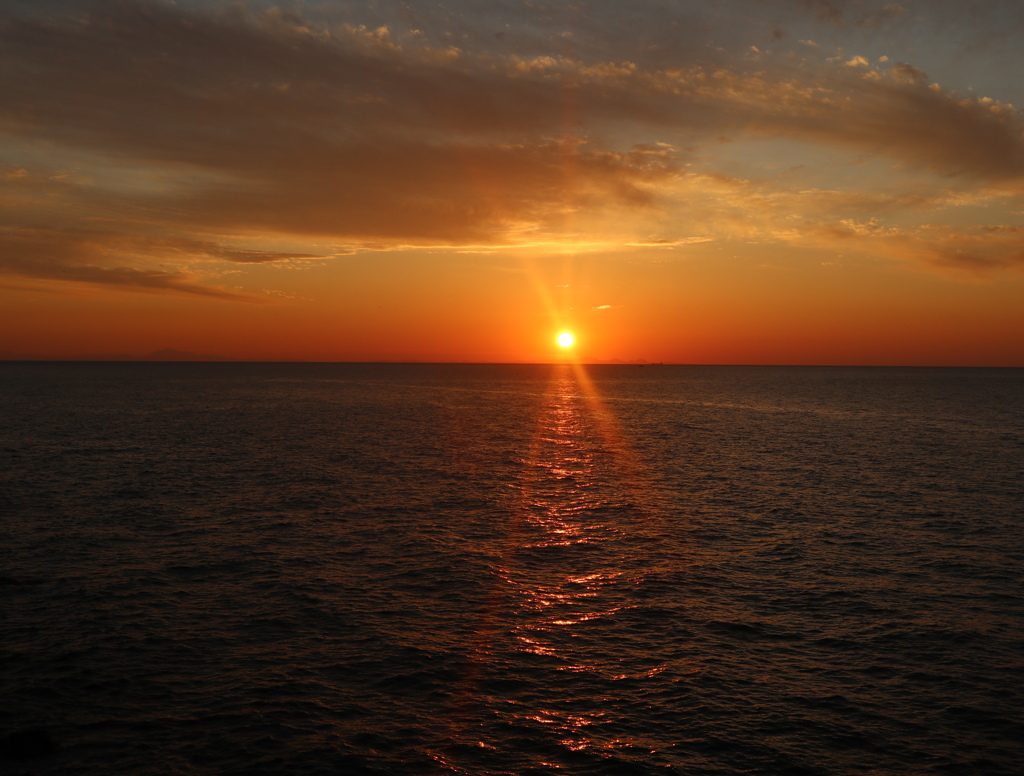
[197, 131]
[668, 243]
[95, 257]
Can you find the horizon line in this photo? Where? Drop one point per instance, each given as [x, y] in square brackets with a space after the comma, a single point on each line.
[219, 360]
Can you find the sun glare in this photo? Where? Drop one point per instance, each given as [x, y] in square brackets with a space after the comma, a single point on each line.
[566, 340]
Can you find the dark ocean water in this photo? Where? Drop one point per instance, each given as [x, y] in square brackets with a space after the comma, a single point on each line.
[418, 569]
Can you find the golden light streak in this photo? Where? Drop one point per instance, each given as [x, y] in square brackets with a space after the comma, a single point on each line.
[577, 443]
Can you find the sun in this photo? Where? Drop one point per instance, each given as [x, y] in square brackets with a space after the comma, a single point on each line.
[566, 340]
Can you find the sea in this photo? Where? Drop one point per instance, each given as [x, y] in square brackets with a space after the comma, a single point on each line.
[370, 569]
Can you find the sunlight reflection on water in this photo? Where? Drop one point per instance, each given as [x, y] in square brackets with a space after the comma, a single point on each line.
[570, 499]
[485, 570]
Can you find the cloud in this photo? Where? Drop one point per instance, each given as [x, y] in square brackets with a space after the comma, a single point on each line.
[343, 133]
[978, 251]
[93, 257]
[902, 223]
[882, 111]
[668, 243]
[188, 133]
[908, 74]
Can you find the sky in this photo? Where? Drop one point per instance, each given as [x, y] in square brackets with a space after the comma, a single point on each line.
[744, 181]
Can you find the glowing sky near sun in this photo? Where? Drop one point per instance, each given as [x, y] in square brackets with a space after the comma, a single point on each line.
[746, 181]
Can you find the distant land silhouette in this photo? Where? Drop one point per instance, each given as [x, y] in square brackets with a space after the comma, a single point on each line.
[167, 354]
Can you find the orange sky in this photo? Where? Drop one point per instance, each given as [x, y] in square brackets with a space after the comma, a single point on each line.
[797, 181]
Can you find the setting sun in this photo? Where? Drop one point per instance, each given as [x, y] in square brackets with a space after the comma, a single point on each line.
[766, 200]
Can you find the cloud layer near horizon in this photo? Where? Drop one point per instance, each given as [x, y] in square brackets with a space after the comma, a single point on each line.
[146, 141]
